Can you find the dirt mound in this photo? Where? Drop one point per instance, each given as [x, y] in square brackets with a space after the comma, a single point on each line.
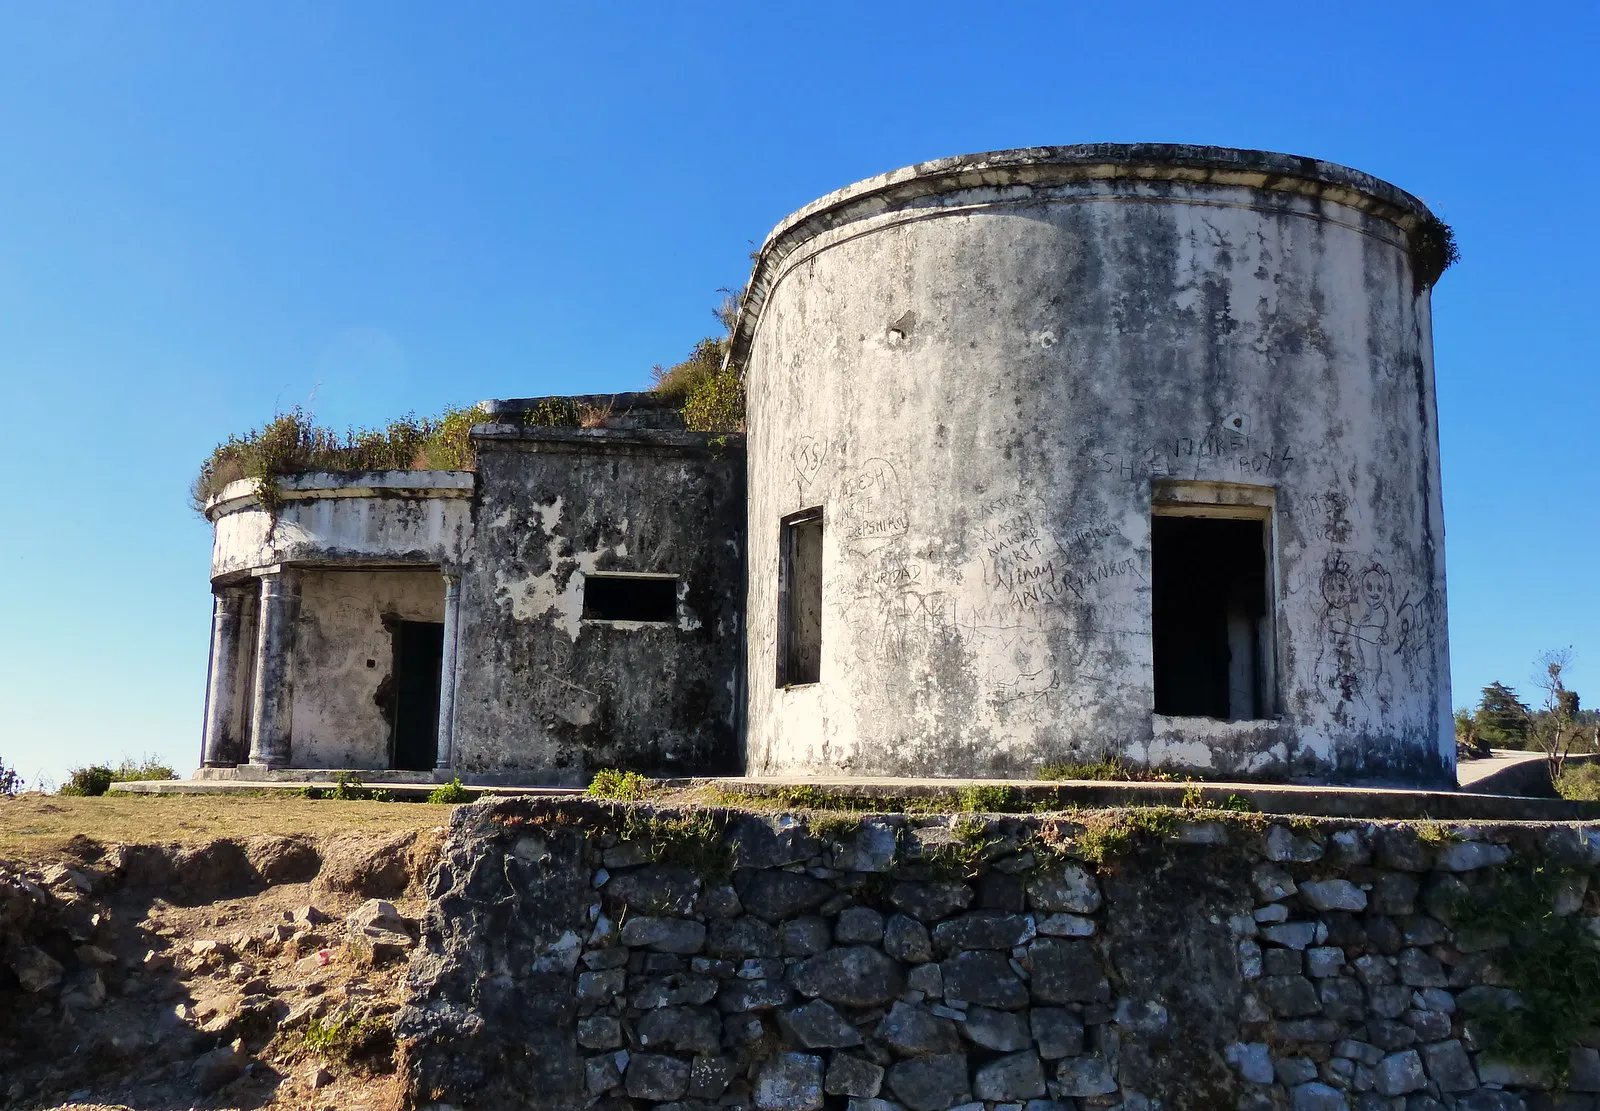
[216, 974]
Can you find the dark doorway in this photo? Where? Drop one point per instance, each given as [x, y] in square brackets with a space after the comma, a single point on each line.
[418, 655]
[800, 599]
[1209, 601]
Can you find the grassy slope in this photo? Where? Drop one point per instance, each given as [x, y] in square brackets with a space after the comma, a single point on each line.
[35, 827]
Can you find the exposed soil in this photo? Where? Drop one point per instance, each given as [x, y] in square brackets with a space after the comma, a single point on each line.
[210, 971]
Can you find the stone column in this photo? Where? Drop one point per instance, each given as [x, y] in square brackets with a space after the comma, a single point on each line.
[220, 747]
[447, 669]
[272, 715]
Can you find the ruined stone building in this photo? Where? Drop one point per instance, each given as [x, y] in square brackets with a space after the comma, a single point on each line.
[1053, 455]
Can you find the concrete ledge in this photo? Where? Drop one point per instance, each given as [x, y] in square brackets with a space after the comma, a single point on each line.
[401, 788]
[597, 441]
[1289, 799]
[1326, 802]
[321, 485]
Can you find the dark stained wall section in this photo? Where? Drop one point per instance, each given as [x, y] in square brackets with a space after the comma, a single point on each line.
[546, 695]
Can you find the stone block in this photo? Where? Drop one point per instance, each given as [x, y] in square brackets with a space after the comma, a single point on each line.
[789, 1082]
[985, 977]
[1069, 887]
[1333, 895]
[1323, 961]
[1289, 996]
[911, 1030]
[1317, 1096]
[1400, 1073]
[804, 937]
[776, 895]
[1002, 1031]
[858, 926]
[930, 1083]
[906, 939]
[1285, 847]
[817, 1025]
[983, 929]
[1449, 1067]
[1291, 935]
[709, 1076]
[1058, 1031]
[1085, 1076]
[1252, 1060]
[1294, 1071]
[664, 935]
[1012, 1077]
[849, 1075]
[1465, 856]
[657, 1076]
[1064, 971]
[1393, 893]
[855, 976]
[738, 938]
[930, 902]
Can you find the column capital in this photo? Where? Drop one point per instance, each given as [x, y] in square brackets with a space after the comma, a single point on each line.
[278, 580]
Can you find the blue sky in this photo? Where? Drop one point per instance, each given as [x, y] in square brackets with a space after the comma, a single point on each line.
[212, 211]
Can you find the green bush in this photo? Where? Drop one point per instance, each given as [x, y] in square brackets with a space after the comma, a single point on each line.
[89, 782]
[10, 781]
[610, 783]
[452, 792]
[716, 405]
[1580, 782]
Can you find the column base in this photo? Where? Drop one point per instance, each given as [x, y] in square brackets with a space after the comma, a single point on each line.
[259, 771]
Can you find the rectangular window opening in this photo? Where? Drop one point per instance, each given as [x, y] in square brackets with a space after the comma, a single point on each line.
[800, 599]
[1211, 626]
[612, 597]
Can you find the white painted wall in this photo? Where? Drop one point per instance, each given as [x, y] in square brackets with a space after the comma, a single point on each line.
[978, 386]
[402, 516]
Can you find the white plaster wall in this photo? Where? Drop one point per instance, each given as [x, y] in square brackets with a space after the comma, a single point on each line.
[410, 516]
[978, 389]
[338, 719]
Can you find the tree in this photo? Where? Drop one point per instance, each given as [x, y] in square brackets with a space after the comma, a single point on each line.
[1502, 719]
[1469, 746]
[1556, 728]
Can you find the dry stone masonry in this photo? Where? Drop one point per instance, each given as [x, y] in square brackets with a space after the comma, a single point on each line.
[581, 956]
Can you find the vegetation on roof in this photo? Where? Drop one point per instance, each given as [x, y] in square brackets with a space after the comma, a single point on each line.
[293, 443]
[712, 396]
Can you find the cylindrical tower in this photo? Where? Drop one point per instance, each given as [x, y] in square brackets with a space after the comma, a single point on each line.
[1071, 453]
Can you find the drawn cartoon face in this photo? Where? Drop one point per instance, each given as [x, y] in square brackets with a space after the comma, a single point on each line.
[1372, 591]
[1337, 589]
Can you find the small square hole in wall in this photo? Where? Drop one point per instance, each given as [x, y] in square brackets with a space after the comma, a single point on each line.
[372, 664]
[619, 597]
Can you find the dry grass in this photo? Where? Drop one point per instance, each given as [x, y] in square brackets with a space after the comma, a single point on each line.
[37, 827]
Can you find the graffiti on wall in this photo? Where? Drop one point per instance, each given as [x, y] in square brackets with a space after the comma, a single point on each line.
[1373, 631]
[1226, 451]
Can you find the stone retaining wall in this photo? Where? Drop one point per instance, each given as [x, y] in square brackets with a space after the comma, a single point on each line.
[572, 960]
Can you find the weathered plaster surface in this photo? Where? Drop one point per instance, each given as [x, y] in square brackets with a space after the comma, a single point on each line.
[341, 706]
[977, 373]
[376, 516]
[547, 696]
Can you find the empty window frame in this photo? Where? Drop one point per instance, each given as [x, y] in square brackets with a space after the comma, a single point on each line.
[620, 597]
[800, 599]
[1211, 627]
